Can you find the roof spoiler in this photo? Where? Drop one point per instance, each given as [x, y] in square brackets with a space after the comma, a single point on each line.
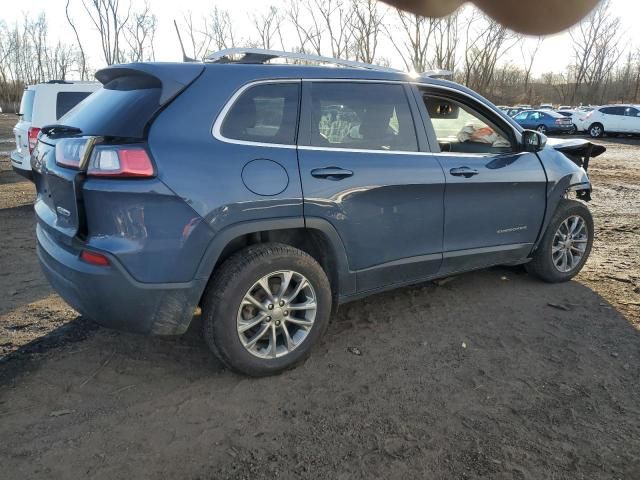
[173, 77]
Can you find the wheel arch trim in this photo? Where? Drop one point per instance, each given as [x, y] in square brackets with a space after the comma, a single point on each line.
[346, 278]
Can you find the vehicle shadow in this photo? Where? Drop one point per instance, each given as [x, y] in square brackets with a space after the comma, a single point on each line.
[490, 373]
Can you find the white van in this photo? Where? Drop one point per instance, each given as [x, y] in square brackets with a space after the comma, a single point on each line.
[44, 104]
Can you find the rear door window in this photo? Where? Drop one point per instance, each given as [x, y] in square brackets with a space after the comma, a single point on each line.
[26, 105]
[265, 113]
[362, 116]
[65, 101]
[612, 110]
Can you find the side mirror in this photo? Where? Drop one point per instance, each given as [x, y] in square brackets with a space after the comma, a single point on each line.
[533, 141]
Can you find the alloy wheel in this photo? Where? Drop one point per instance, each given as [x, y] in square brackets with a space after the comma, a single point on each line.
[542, 129]
[569, 243]
[276, 314]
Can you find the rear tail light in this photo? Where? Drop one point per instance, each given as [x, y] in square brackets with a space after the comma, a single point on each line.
[120, 161]
[94, 258]
[71, 151]
[33, 138]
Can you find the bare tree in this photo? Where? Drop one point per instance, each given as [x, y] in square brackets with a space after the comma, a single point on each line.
[221, 29]
[83, 59]
[366, 25]
[267, 25]
[199, 39]
[335, 16]
[446, 42]
[140, 34]
[308, 28]
[413, 41]
[110, 21]
[485, 42]
[596, 51]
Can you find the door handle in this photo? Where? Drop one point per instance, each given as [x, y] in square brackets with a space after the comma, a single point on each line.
[331, 173]
[465, 172]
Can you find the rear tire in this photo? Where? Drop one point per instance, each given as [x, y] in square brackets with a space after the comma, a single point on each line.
[596, 130]
[247, 300]
[542, 129]
[565, 245]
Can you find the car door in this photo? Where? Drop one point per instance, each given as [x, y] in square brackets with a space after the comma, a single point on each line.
[364, 173]
[495, 193]
[612, 119]
[631, 120]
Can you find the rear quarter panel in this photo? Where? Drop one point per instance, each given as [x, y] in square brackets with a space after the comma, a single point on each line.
[207, 173]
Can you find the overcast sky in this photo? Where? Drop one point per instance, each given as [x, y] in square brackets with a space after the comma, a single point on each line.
[554, 54]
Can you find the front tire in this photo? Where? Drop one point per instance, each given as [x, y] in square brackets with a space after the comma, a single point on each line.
[566, 244]
[542, 129]
[265, 309]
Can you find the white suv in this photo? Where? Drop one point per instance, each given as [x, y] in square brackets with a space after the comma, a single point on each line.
[611, 119]
[44, 104]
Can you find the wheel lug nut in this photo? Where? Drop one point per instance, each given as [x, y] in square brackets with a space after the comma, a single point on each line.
[270, 307]
[268, 319]
[281, 303]
[285, 313]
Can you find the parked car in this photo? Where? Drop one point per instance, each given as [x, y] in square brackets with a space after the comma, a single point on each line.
[612, 119]
[565, 107]
[545, 106]
[513, 111]
[291, 190]
[572, 114]
[544, 121]
[43, 104]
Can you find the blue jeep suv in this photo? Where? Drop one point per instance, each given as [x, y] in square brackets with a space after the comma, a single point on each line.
[264, 195]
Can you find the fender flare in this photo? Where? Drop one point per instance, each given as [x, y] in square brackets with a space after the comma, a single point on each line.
[346, 278]
[571, 182]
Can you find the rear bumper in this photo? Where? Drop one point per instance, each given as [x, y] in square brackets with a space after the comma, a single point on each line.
[20, 166]
[111, 297]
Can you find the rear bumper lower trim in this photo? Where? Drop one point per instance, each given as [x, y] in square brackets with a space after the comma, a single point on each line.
[110, 297]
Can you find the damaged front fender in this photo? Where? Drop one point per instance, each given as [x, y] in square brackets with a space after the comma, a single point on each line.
[578, 150]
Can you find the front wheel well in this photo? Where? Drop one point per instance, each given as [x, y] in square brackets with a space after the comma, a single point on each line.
[309, 240]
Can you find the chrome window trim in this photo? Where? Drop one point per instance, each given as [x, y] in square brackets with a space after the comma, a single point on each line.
[217, 125]
[225, 110]
[361, 150]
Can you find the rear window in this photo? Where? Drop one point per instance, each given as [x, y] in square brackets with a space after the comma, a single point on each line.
[264, 113]
[363, 116]
[26, 105]
[122, 108]
[65, 101]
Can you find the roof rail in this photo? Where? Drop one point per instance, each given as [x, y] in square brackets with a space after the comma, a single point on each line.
[259, 55]
[437, 73]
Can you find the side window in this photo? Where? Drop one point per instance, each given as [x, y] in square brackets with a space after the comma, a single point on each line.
[367, 116]
[631, 112]
[65, 101]
[521, 116]
[612, 110]
[460, 128]
[265, 113]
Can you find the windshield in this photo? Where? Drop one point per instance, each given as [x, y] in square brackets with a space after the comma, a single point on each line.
[26, 105]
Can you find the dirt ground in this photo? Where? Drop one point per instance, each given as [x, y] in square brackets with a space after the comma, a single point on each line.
[490, 375]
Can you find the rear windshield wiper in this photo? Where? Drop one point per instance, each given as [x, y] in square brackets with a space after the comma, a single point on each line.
[58, 129]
